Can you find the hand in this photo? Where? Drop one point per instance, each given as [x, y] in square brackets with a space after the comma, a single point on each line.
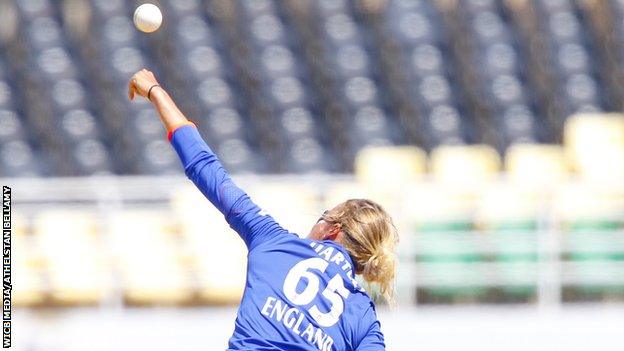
[140, 83]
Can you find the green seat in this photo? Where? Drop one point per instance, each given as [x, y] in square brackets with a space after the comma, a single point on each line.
[594, 225]
[447, 253]
[593, 245]
[451, 241]
[451, 281]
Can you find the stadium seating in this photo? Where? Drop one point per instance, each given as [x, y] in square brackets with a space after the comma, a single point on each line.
[76, 269]
[144, 249]
[595, 145]
[323, 81]
[215, 253]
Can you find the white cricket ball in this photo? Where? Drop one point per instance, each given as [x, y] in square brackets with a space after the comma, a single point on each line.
[147, 18]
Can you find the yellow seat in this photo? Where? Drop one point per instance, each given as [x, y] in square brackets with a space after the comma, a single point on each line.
[73, 257]
[590, 205]
[150, 258]
[467, 165]
[505, 206]
[538, 165]
[219, 273]
[595, 145]
[434, 206]
[19, 224]
[28, 284]
[390, 166]
[448, 202]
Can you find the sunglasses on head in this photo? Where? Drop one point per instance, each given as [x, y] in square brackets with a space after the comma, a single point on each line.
[322, 217]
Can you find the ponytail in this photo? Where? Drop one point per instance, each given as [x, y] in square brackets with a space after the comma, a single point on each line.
[380, 269]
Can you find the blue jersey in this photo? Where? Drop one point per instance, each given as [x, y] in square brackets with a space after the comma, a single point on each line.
[300, 294]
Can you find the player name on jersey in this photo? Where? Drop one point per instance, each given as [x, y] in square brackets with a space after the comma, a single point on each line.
[296, 321]
[333, 255]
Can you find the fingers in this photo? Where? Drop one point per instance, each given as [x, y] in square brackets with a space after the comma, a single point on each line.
[131, 92]
[132, 87]
[140, 82]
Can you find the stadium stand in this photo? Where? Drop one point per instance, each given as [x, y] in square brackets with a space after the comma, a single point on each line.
[481, 125]
[263, 78]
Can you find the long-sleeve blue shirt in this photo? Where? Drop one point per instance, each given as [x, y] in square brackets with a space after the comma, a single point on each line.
[300, 294]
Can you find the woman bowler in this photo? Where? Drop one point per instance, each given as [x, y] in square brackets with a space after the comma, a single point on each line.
[300, 294]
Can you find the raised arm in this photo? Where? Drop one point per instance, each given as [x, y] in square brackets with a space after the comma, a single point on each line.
[203, 167]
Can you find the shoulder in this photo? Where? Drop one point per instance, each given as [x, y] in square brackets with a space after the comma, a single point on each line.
[369, 330]
[284, 238]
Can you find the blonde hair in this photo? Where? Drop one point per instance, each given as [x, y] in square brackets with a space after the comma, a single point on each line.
[370, 238]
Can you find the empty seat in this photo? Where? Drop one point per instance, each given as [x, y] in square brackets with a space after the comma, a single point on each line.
[144, 247]
[184, 7]
[360, 91]
[108, 8]
[427, 59]
[215, 92]
[465, 164]
[307, 155]
[433, 207]
[29, 289]
[536, 164]
[573, 58]
[56, 63]
[158, 157]
[92, 157]
[588, 206]
[193, 31]
[595, 145]
[147, 125]
[118, 31]
[278, 60]
[203, 62]
[390, 166]
[267, 29]
[501, 58]
[238, 156]
[519, 124]
[352, 60]
[414, 28]
[489, 27]
[68, 94]
[6, 96]
[223, 123]
[507, 90]
[370, 122]
[297, 122]
[32, 9]
[287, 91]
[79, 124]
[76, 266]
[45, 32]
[11, 127]
[341, 29]
[505, 207]
[18, 159]
[445, 125]
[435, 90]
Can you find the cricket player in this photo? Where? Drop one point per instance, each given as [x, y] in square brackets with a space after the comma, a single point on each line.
[300, 294]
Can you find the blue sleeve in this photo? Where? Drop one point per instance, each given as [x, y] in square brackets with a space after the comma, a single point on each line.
[203, 167]
[372, 339]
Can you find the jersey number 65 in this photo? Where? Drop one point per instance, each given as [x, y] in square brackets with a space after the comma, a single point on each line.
[333, 292]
